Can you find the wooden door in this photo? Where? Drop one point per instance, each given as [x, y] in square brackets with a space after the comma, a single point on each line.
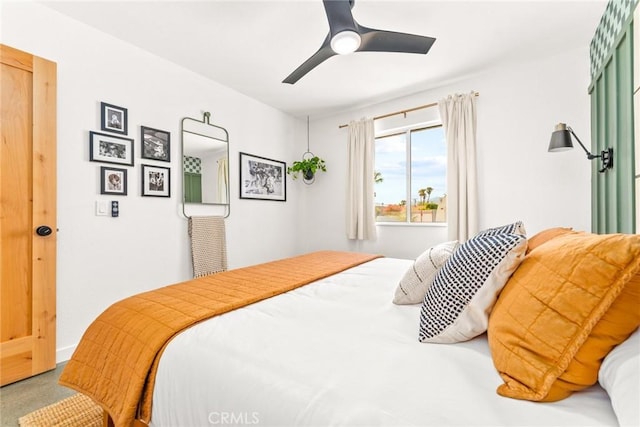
[27, 202]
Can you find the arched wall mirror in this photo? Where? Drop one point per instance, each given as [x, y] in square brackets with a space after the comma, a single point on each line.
[205, 162]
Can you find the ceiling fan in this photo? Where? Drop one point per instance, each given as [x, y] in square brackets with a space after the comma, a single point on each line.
[347, 36]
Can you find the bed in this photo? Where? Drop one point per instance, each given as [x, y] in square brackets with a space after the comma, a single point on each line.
[338, 352]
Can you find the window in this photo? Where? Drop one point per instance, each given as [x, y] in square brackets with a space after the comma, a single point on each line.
[415, 194]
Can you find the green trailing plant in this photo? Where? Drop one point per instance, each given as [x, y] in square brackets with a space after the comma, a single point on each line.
[307, 167]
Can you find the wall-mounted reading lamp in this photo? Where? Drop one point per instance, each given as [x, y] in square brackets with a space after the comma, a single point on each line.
[561, 141]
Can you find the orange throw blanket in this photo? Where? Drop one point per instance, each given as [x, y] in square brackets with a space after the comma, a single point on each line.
[116, 360]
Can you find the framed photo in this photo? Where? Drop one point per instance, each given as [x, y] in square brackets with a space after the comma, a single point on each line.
[110, 149]
[156, 181]
[113, 181]
[262, 178]
[113, 118]
[156, 144]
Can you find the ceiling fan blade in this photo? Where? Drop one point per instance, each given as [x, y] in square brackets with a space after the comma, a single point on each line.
[325, 52]
[339, 16]
[371, 40]
[390, 41]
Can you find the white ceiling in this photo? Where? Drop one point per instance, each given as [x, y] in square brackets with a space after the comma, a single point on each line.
[251, 46]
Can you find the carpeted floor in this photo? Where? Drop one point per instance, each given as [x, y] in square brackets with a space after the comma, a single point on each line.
[23, 397]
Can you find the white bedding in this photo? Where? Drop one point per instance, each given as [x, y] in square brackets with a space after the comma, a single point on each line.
[338, 352]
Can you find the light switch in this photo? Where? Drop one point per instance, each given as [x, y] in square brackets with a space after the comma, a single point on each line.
[102, 207]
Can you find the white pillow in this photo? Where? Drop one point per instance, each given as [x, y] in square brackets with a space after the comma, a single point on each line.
[418, 278]
[620, 375]
[457, 305]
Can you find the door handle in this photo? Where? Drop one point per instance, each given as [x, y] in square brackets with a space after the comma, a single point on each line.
[43, 230]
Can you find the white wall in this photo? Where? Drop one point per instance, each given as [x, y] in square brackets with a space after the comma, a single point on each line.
[103, 259]
[518, 107]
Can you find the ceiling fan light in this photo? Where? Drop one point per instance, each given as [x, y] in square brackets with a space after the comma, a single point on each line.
[345, 42]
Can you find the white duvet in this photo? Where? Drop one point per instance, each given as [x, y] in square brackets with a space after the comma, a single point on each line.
[338, 352]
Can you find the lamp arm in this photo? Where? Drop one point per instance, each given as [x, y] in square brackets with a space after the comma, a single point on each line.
[589, 155]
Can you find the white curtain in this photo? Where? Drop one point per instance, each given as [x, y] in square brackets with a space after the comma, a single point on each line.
[458, 113]
[361, 221]
[223, 183]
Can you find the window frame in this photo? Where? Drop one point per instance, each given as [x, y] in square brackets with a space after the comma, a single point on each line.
[406, 130]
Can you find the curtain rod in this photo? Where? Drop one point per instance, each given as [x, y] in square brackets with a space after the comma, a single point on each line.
[384, 116]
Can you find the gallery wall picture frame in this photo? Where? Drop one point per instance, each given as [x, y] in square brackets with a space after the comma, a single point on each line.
[262, 178]
[113, 181]
[156, 144]
[156, 181]
[110, 149]
[113, 118]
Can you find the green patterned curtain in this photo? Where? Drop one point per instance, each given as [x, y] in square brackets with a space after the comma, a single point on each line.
[611, 90]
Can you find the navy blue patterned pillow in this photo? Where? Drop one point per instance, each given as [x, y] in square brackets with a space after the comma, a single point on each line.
[456, 306]
[515, 228]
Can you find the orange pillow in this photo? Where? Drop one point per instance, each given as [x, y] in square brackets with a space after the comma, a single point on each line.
[566, 306]
[617, 324]
[546, 235]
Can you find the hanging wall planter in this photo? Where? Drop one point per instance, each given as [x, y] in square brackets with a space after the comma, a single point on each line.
[308, 166]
